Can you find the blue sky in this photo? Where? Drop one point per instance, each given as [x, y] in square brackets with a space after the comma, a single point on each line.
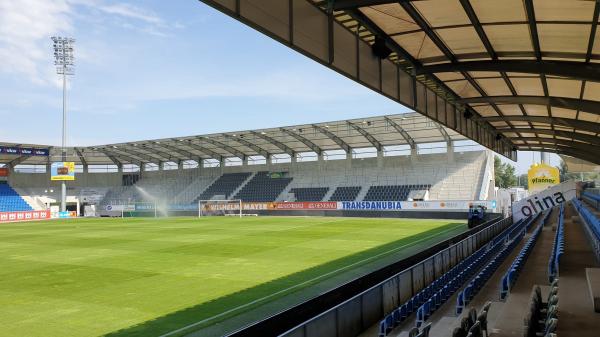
[152, 69]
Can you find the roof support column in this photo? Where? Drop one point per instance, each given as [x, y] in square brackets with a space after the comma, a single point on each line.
[349, 160]
[450, 152]
[380, 158]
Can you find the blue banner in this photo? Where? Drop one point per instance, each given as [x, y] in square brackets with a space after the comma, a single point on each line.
[26, 151]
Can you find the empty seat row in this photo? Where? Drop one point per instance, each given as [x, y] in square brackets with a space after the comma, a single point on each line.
[392, 192]
[263, 187]
[441, 289]
[542, 317]
[345, 193]
[309, 193]
[11, 201]
[557, 246]
[510, 277]
[591, 225]
[225, 185]
[468, 293]
[473, 325]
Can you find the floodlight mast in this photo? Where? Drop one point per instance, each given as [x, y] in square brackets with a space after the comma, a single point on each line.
[64, 62]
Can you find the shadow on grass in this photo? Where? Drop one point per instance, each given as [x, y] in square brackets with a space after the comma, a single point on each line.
[202, 311]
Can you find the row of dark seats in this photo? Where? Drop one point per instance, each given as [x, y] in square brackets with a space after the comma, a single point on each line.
[309, 193]
[345, 193]
[592, 225]
[557, 246]
[225, 185]
[263, 188]
[542, 317]
[499, 252]
[441, 289]
[473, 325]
[511, 275]
[415, 332]
[392, 192]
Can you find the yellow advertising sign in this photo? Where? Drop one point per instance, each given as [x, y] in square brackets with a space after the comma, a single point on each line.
[542, 176]
[62, 171]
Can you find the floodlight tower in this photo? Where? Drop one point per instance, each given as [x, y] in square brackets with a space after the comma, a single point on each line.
[65, 63]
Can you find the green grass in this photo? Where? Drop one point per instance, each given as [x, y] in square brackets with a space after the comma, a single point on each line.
[146, 277]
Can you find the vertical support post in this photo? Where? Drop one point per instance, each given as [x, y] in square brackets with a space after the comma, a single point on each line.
[63, 186]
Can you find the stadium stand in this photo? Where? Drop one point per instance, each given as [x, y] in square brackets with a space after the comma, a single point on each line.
[541, 319]
[510, 277]
[591, 225]
[309, 193]
[225, 185]
[557, 246]
[10, 200]
[263, 187]
[431, 297]
[393, 192]
[345, 193]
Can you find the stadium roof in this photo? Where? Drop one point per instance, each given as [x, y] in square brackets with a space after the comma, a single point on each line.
[403, 129]
[511, 74]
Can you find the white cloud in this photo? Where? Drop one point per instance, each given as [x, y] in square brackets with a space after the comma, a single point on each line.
[25, 30]
[27, 25]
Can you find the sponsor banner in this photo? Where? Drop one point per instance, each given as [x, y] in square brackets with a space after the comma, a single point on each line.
[235, 206]
[26, 151]
[62, 171]
[24, 216]
[3, 172]
[306, 206]
[371, 205]
[543, 200]
[453, 205]
[541, 176]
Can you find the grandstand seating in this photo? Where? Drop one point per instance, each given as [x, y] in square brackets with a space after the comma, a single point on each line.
[591, 225]
[510, 277]
[309, 193]
[225, 185]
[557, 246]
[392, 192]
[473, 324]
[345, 193]
[541, 320]
[431, 298]
[263, 188]
[11, 201]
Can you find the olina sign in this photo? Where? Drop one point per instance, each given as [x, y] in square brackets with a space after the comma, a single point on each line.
[543, 200]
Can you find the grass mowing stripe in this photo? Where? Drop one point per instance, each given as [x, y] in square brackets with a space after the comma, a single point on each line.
[282, 291]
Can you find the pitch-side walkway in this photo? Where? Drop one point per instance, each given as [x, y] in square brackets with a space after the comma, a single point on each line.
[576, 317]
[444, 320]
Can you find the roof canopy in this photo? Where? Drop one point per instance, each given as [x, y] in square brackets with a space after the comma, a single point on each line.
[511, 74]
[378, 132]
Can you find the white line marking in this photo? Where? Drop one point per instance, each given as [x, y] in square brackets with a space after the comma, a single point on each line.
[300, 284]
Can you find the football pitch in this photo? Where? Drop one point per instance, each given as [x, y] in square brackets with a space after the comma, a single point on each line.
[149, 277]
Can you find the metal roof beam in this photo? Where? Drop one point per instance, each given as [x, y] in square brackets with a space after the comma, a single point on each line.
[574, 123]
[339, 5]
[17, 161]
[314, 147]
[151, 157]
[591, 159]
[225, 147]
[403, 133]
[118, 156]
[560, 133]
[248, 144]
[558, 147]
[339, 141]
[577, 70]
[155, 150]
[212, 154]
[376, 144]
[280, 145]
[186, 155]
[81, 157]
[559, 102]
[444, 133]
[575, 145]
[535, 40]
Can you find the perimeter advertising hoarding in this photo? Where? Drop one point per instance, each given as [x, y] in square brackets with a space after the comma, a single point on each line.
[543, 200]
[305, 206]
[453, 205]
[60, 171]
[24, 216]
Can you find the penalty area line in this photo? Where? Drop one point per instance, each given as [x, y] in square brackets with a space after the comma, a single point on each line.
[258, 300]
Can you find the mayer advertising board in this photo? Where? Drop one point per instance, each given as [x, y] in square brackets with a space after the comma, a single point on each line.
[24, 216]
[60, 171]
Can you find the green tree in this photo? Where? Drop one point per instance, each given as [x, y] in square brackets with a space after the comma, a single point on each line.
[504, 174]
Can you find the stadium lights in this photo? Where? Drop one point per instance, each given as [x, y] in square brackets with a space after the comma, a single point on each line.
[65, 66]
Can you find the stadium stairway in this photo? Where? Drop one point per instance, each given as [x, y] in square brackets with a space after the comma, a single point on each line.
[444, 318]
